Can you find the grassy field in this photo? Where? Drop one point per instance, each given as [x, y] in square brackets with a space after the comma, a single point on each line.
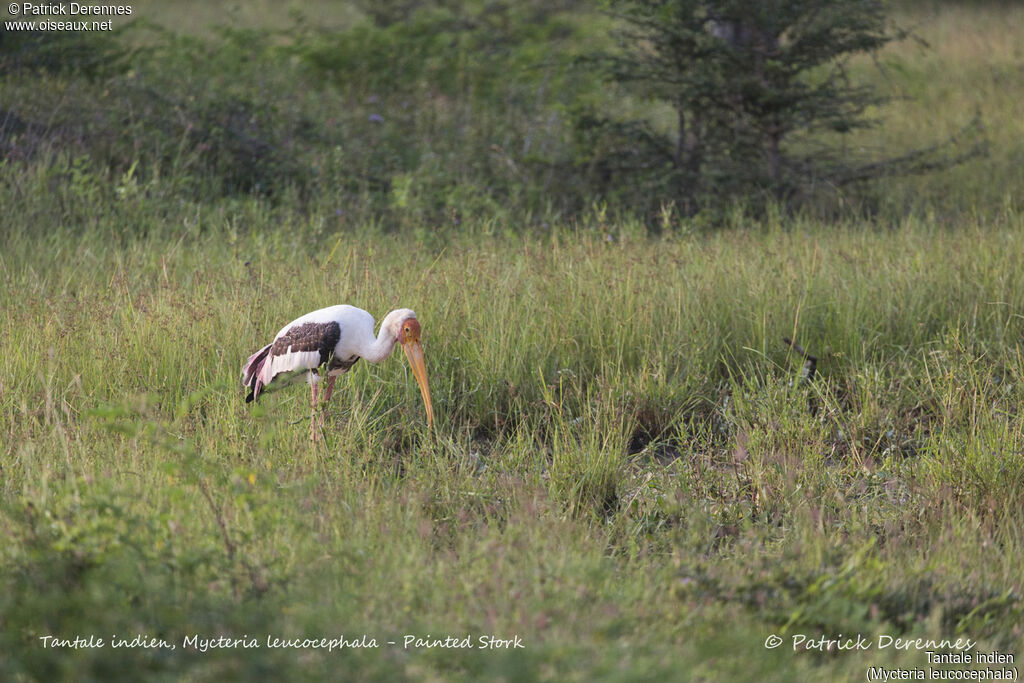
[626, 473]
[629, 475]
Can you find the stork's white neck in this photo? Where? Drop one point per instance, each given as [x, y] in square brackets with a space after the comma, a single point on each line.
[381, 347]
[387, 337]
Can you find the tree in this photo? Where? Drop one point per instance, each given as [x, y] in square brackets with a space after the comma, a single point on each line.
[755, 87]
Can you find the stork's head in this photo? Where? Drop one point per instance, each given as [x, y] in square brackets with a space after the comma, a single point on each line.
[405, 328]
[410, 331]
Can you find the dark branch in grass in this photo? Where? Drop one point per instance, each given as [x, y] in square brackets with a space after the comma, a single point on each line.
[811, 364]
[810, 370]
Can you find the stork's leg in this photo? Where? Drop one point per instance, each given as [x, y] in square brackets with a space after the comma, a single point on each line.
[312, 416]
[330, 387]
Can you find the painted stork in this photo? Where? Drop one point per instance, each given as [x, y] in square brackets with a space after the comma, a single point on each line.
[332, 339]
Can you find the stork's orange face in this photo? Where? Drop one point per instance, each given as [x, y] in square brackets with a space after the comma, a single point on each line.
[409, 337]
[410, 331]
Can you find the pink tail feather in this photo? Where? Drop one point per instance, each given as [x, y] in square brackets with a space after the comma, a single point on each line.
[252, 371]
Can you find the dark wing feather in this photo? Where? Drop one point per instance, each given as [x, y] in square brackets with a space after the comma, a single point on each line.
[321, 337]
[300, 347]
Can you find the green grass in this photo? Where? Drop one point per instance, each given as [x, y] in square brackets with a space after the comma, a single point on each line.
[625, 470]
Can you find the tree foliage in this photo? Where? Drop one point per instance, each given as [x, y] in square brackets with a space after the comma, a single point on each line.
[754, 88]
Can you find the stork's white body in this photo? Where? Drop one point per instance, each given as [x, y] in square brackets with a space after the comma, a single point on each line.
[356, 327]
[357, 338]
